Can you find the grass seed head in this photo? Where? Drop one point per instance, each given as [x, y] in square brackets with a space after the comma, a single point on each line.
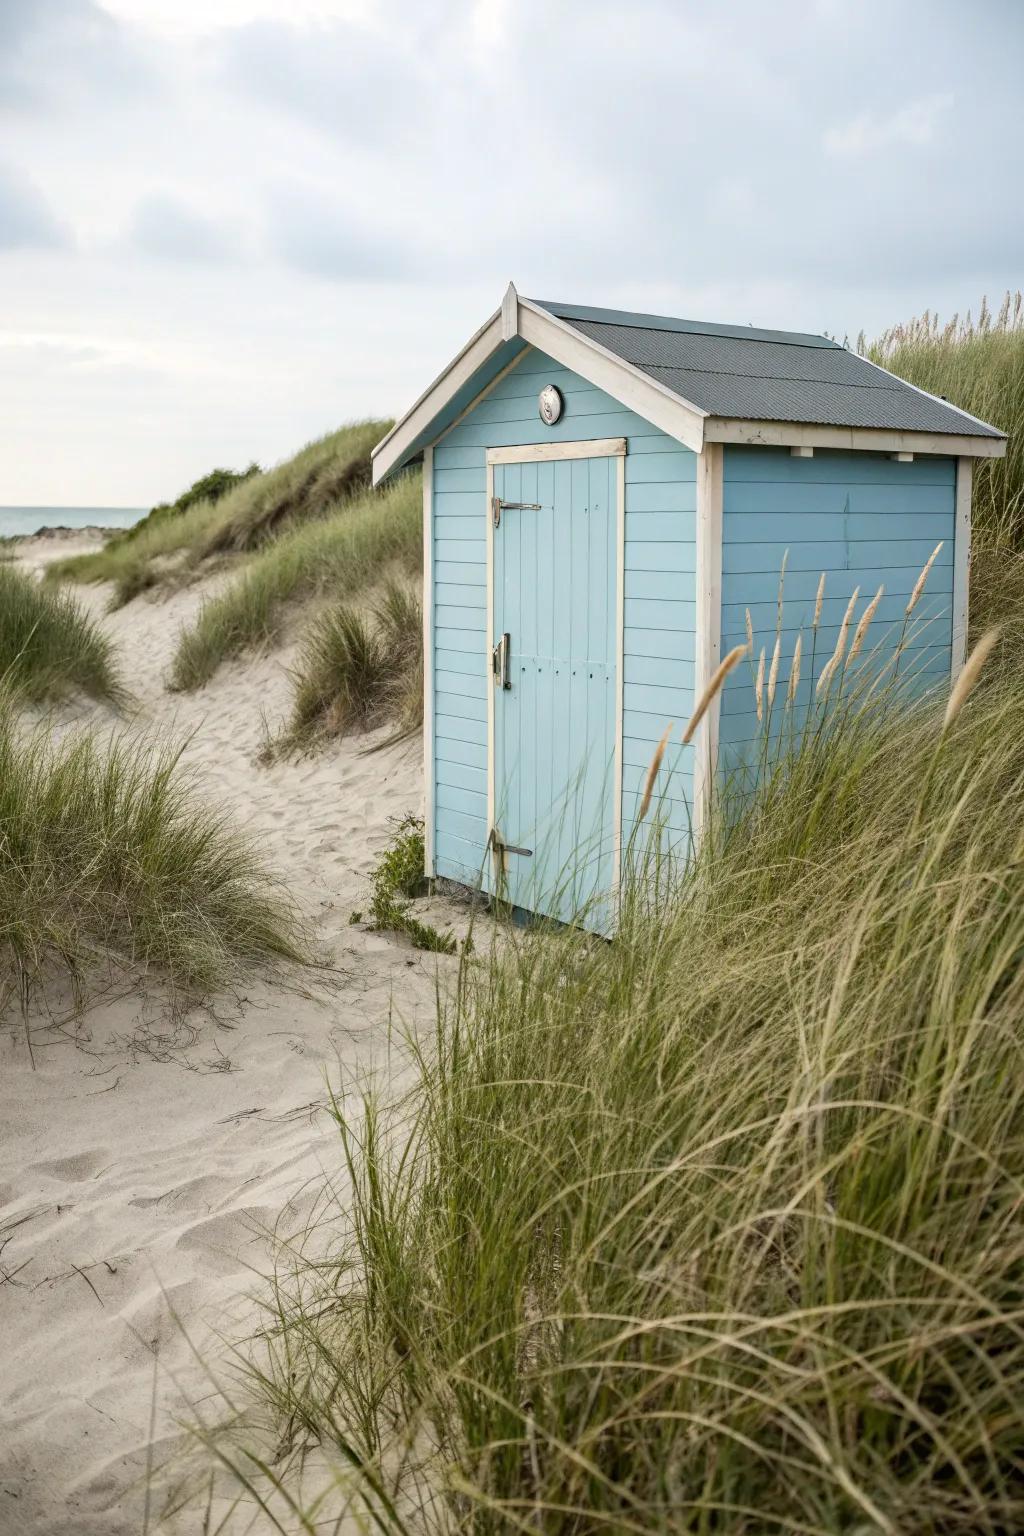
[718, 677]
[652, 772]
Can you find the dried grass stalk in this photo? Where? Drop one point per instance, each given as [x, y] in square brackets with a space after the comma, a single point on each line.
[759, 687]
[919, 584]
[718, 677]
[652, 772]
[865, 624]
[818, 601]
[794, 671]
[837, 654]
[773, 672]
[968, 678]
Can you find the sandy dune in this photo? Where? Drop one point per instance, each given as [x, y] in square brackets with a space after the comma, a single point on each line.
[141, 1158]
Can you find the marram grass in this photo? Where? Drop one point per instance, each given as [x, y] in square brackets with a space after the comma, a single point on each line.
[348, 553]
[50, 648]
[175, 546]
[978, 366]
[111, 859]
[717, 1227]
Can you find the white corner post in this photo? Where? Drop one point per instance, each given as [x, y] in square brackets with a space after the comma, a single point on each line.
[961, 563]
[428, 662]
[708, 648]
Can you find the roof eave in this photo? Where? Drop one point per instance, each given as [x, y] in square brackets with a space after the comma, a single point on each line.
[529, 322]
[796, 434]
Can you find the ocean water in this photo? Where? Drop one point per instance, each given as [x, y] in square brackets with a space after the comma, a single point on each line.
[19, 520]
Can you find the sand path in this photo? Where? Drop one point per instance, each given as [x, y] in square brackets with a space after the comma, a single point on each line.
[138, 1160]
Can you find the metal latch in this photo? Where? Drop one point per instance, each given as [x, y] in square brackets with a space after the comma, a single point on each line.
[498, 507]
[499, 847]
[500, 662]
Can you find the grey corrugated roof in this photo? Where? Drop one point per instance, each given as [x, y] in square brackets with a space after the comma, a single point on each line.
[754, 375]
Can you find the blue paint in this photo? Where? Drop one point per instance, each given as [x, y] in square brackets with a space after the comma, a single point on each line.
[660, 607]
[864, 519]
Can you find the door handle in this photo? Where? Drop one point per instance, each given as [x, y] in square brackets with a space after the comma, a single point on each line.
[500, 657]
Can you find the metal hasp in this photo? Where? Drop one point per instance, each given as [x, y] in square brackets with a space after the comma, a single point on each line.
[500, 662]
[498, 507]
[499, 847]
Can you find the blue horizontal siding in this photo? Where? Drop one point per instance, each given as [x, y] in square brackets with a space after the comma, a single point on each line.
[659, 598]
[866, 522]
[839, 468]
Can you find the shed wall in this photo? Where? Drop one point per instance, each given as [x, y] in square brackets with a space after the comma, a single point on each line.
[862, 518]
[660, 598]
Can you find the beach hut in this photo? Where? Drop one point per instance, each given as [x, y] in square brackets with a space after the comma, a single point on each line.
[605, 495]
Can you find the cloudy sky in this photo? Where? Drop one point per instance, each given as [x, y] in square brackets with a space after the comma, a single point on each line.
[229, 225]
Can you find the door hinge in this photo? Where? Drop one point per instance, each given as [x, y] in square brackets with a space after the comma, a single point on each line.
[498, 507]
[500, 662]
[499, 847]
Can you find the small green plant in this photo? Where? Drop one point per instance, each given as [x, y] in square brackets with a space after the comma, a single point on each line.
[396, 880]
[49, 648]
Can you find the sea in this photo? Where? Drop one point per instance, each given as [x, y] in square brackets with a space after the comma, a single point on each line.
[21, 520]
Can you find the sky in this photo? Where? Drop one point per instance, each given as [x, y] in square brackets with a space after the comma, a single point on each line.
[228, 226]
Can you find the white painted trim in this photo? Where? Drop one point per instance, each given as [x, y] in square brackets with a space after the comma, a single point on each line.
[629, 385]
[429, 765]
[708, 646]
[961, 564]
[534, 453]
[655, 402]
[391, 450]
[789, 434]
[490, 883]
[510, 313]
[476, 400]
[620, 653]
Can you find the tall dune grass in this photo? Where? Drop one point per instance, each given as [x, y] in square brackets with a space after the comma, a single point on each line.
[323, 474]
[357, 670]
[979, 366]
[109, 857]
[352, 551]
[49, 648]
[715, 1228]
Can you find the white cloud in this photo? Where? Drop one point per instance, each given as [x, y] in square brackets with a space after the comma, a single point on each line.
[346, 187]
[914, 124]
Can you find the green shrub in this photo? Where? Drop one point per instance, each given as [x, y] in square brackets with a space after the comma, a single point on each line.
[49, 648]
[340, 556]
[980, 368]
[397, 879]
[109, 857]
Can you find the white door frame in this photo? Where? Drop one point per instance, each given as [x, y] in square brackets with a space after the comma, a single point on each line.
[536, 453]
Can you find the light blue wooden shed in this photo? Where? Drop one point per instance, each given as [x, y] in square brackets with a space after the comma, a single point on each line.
[605, 494]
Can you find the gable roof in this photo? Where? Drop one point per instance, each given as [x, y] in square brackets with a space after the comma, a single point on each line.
[750, 374]
[699, 383]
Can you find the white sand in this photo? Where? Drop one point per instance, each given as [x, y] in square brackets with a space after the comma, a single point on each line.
[138, 1159]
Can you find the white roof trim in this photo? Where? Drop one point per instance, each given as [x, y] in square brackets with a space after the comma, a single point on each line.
[796, 434]
[630, 385]
[392, 448]
[593, 362]
[655, 402]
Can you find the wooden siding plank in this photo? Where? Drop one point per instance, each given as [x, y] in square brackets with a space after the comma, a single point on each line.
[833, 466]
